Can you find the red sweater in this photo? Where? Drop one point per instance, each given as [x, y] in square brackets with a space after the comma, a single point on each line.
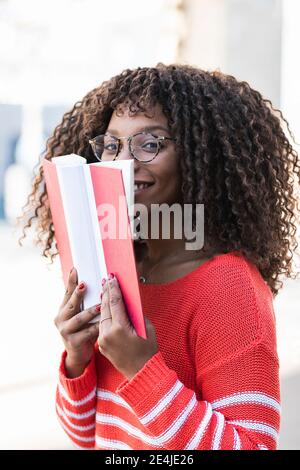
[214, 384]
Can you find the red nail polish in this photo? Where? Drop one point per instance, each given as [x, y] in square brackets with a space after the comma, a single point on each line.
[103, 281]
[111, 276]
[98, 308]
[81, 286]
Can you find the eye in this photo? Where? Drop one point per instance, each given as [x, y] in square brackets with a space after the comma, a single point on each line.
[111, 147]
[150, 146]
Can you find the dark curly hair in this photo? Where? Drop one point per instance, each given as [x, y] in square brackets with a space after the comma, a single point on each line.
[234, 154]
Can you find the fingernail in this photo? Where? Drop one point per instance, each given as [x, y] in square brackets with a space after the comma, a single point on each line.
[111, 276]
[103, 281]
[98, 308]
[81, 286]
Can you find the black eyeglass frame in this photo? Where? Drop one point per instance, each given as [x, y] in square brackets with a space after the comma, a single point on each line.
[161, 138]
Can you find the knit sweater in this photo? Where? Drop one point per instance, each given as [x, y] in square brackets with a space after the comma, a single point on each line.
[213, 384]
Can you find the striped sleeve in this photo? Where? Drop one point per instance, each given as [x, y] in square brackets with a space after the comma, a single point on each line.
[76, 404]
[177, 420]
[236, 402]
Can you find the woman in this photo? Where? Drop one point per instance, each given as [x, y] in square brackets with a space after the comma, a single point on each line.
[207, 377]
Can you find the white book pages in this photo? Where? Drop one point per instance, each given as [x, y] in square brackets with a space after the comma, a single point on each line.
[99, 253]
[69, 160]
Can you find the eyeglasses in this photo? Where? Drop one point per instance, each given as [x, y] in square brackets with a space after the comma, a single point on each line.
[143, 146]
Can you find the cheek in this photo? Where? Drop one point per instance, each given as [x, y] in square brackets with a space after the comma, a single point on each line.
[170, 178]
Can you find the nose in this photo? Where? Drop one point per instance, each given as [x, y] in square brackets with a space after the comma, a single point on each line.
[124, 152]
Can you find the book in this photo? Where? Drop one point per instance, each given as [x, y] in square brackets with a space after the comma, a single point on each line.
[92, 212]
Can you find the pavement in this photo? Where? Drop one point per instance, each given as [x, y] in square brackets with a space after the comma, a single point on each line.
[30, 350]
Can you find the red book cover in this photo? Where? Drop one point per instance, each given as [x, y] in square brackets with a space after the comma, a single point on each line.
[119, 254]
[58, 217]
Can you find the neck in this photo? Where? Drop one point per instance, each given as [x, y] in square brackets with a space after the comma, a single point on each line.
[160, 247]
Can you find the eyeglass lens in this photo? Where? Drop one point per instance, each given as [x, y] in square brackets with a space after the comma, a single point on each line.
[143, 146]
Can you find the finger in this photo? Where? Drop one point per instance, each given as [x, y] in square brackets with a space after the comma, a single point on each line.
[150, 329]
[117, 306]
[73, 306]
[105, 320]
[81, 319]
[71, 285]
[87, 334]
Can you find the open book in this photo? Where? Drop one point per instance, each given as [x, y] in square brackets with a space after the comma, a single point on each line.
[92, 212]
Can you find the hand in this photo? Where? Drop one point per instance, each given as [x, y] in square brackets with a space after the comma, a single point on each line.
[118, 341]
[78, 335]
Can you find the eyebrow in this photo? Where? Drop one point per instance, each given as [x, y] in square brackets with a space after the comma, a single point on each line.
[147, 129]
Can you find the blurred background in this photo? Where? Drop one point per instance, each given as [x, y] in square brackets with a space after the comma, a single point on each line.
[51, 54]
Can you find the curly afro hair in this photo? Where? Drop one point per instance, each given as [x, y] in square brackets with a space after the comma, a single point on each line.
[235, 158]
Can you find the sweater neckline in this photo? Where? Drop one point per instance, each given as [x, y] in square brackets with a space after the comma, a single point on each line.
[186, 277]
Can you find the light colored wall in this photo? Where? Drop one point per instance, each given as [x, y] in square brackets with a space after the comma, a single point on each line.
[290, 71]
[239, 37]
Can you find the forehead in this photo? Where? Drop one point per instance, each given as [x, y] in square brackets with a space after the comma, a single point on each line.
[122, 121]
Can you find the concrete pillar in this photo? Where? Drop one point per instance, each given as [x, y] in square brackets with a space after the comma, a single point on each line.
[239, 37]
[290, 91]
